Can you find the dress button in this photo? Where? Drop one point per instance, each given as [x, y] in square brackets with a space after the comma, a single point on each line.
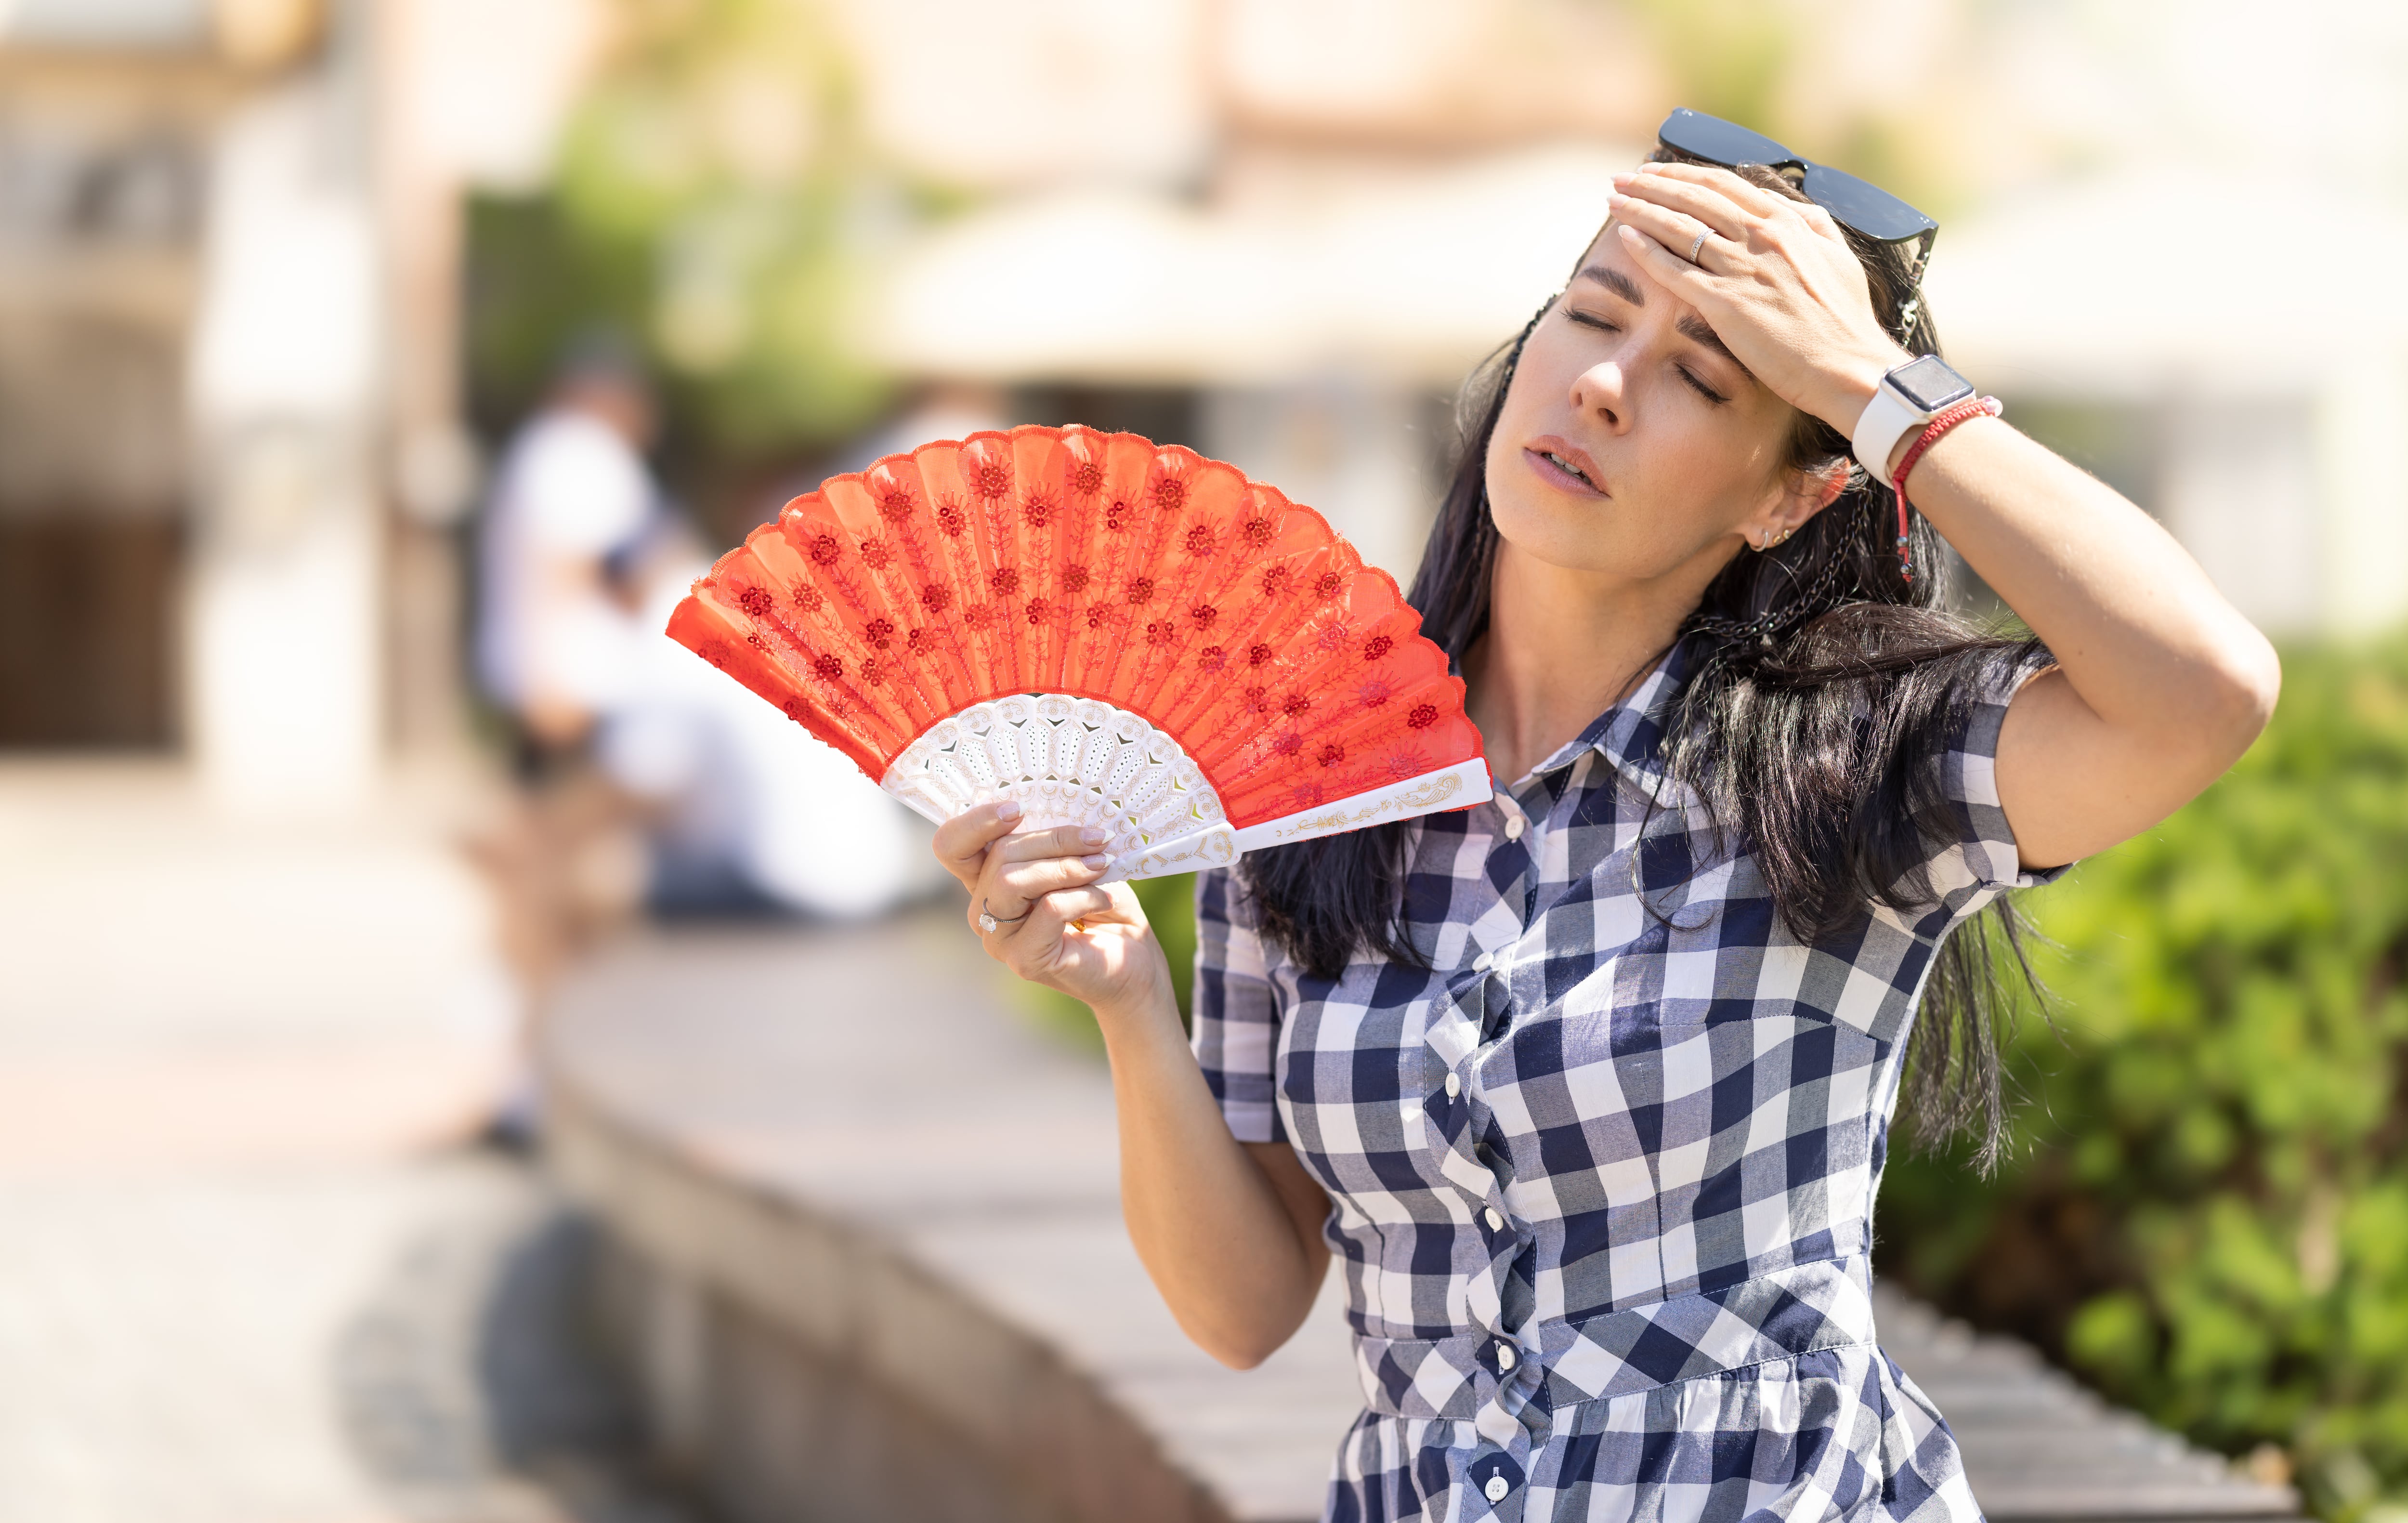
[1454, 1086]
[1513, 828]
[1495, 1223]
[1505, 1357]
[1496, 1487]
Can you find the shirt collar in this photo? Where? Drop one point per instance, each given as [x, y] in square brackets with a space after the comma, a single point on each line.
[1631, 735]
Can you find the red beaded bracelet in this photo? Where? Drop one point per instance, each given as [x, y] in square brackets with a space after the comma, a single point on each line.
[1948, 418]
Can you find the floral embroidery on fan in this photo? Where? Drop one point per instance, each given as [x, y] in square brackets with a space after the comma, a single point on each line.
[825, 549]
[1327, 585]
[1101, 616]
[1141, 589]
[875, 554]
[1003, 581]
[1039, 611]
[871, 672]
[1308, 795]
[1203, 613]
[1170, 494]
[1423, 717]
[990, 477]
[1086, 478]
[1331, 755]
[1161, 632]
[1288, 745]
[1036, 512]
[1260, 532]
[1211, 658]
[1295, 704]
[1116, 517]
[829, 666]
[936, 599]
[808, 598]
[792, 708]
[951, 518]
[1257, 700]
[1378, 646]
[1199, 540]
[1275, 581]
[979, 615]
[894, 505]
[1074, 580]
[716, 653]
[756, 602]
[1402, 764]
[919, 642]
[755, 641]
[879, 632]
[1374, 693]
[1258, 655]
[1332, 637]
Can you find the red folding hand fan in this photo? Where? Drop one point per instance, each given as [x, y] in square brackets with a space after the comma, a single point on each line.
[1108, 632]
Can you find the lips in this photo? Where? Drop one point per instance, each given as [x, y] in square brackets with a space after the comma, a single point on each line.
[1565, 466]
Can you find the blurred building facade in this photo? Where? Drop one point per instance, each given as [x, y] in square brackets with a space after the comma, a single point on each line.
[232, 461]
[229, 448]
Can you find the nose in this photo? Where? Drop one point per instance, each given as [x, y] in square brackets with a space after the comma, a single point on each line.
[1599, 393]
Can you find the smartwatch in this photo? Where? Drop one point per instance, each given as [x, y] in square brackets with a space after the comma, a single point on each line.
[1906, 399]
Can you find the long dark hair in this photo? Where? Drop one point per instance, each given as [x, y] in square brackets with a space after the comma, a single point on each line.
[1821, 684]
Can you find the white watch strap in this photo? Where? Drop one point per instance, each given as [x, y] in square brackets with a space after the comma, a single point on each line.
[1886, 418]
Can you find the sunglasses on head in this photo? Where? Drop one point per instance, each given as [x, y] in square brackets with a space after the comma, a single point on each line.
[1859, 204]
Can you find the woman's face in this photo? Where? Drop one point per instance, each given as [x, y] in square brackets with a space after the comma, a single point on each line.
[1631, 443]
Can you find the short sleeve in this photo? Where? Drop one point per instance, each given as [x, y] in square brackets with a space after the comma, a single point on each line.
[1236, 1014]
[1976, 857]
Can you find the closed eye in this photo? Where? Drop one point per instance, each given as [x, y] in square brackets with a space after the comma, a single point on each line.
[1590, 320]
[1703, 390]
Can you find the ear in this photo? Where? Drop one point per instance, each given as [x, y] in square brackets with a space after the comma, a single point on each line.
[1802, 495]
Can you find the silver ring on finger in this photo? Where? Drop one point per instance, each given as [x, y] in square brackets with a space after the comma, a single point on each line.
[989, 922]
[1700, 244]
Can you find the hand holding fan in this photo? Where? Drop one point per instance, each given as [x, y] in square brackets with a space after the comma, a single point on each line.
[1111, 633]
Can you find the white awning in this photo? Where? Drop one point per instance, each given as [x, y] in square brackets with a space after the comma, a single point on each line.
[2171, 281]
[1409, 280]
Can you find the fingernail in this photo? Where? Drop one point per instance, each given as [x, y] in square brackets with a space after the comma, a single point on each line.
[1094, 835]
[1098, 863]
[1007, 810]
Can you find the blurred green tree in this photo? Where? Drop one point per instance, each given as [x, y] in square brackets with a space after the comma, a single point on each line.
[715, 198]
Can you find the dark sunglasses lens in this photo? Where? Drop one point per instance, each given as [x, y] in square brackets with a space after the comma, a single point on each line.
[1716, 141]
[1865, 206]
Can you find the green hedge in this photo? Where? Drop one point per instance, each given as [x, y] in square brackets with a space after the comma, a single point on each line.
[2206, 1213]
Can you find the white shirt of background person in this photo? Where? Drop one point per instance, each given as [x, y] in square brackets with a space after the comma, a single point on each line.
[738, 780]
[571, 490]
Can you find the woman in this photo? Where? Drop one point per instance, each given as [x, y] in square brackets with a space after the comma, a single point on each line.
[1590, 1085]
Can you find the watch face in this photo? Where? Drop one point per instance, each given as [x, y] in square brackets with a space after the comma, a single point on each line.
[1930, 384]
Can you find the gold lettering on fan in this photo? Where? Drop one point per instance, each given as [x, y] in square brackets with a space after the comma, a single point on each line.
[1416, 797]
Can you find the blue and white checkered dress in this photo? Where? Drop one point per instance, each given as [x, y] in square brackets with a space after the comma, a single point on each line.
[1603, 1181]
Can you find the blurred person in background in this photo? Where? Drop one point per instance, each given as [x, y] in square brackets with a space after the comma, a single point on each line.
[1591, 1084]
[650, 781]
[554, 621]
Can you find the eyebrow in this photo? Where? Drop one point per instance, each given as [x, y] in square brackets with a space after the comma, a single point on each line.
[1693, 327]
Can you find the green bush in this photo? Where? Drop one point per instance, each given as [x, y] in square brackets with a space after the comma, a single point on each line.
[2206, 1209]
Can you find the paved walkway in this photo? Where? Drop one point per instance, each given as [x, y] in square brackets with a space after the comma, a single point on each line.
[247, 1273]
